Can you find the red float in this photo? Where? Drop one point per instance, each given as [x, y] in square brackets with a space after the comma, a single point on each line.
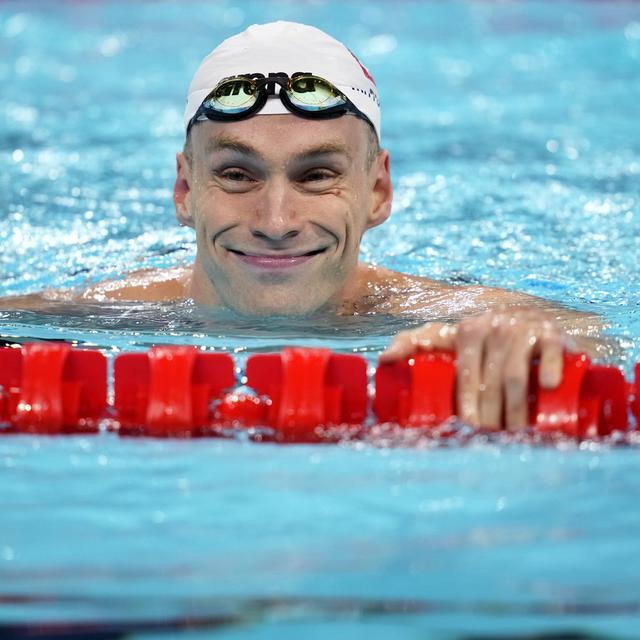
[302, 395]
[634, 396]
[589, 402]
[168, 391]
[310, 388]
[418, 392]
[50, 388]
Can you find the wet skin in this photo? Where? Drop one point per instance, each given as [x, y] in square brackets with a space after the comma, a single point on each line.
[279, 206]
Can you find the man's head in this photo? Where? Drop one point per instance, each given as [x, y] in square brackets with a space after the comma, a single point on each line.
[280, 201]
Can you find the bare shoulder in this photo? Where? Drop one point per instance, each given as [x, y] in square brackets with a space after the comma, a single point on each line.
[397, 292]
[411, 291]
[373, 275]
[387, 291]
[145, 285]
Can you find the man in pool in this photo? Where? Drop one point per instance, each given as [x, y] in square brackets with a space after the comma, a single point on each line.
[281, 175]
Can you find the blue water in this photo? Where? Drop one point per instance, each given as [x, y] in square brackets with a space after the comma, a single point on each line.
[515, 143]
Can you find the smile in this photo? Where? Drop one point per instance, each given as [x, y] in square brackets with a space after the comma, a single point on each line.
[275, 260]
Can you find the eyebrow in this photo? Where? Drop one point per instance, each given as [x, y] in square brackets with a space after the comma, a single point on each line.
[226, 143]
[323, 149]
[229, 143]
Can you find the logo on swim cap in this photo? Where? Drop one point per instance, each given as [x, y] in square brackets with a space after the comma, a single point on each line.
[364, 69]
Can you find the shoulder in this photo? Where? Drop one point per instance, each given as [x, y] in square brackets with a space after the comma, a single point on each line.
[399, 293]
[145, 285]
[391, 279]
[387, 291]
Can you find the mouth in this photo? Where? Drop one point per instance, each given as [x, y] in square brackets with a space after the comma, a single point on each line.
[275, 260]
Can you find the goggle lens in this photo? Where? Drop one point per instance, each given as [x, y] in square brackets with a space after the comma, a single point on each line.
[314, 94]
[233, 96]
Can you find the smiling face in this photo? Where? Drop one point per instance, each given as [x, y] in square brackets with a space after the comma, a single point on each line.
[279, 205]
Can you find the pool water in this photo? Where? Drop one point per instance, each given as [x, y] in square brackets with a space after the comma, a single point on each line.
[515, 143]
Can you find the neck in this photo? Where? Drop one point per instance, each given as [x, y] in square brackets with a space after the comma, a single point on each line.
[201, 289]
[347, 300]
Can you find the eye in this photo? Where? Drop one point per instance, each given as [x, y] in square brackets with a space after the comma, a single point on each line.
[235, 175]
[318, 175]
[319, 180]
[235, 179]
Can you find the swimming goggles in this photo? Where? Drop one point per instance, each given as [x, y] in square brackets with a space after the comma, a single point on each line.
[305, 95]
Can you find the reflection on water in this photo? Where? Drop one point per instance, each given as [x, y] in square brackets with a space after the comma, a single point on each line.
[112, 530]
[118, 325]
[216, 614]
[126, 325]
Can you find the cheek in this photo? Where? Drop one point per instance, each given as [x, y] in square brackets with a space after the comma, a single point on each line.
[344, 209]
[207, 226]
[356, 217]
[211, 211]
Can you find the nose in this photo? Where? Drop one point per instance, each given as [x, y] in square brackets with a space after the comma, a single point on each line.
[275, 218]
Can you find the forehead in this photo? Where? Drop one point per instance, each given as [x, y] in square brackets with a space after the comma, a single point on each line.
[279, 137]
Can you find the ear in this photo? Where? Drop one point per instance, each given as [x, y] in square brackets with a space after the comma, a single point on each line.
[182, 191]
[382, 191]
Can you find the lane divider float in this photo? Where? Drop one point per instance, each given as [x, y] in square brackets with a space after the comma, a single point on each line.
[297, 395]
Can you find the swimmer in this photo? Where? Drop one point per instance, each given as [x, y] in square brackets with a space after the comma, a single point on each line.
[280, 176]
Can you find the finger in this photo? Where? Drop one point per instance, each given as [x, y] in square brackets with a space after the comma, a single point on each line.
[551, 359]
[497, 348]
[402, 346]
[439, 336]
[470, 346]
[429, 336]
[516, 380]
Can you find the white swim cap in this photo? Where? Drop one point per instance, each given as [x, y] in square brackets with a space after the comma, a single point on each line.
[286, 47]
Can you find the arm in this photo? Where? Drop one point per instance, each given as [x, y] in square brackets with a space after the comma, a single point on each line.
[495, 346]
[35, 301]
[145, 285]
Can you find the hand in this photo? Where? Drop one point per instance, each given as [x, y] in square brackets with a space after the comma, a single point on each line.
[494, 352]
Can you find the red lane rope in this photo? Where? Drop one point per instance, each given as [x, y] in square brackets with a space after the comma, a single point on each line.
[300, 394]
